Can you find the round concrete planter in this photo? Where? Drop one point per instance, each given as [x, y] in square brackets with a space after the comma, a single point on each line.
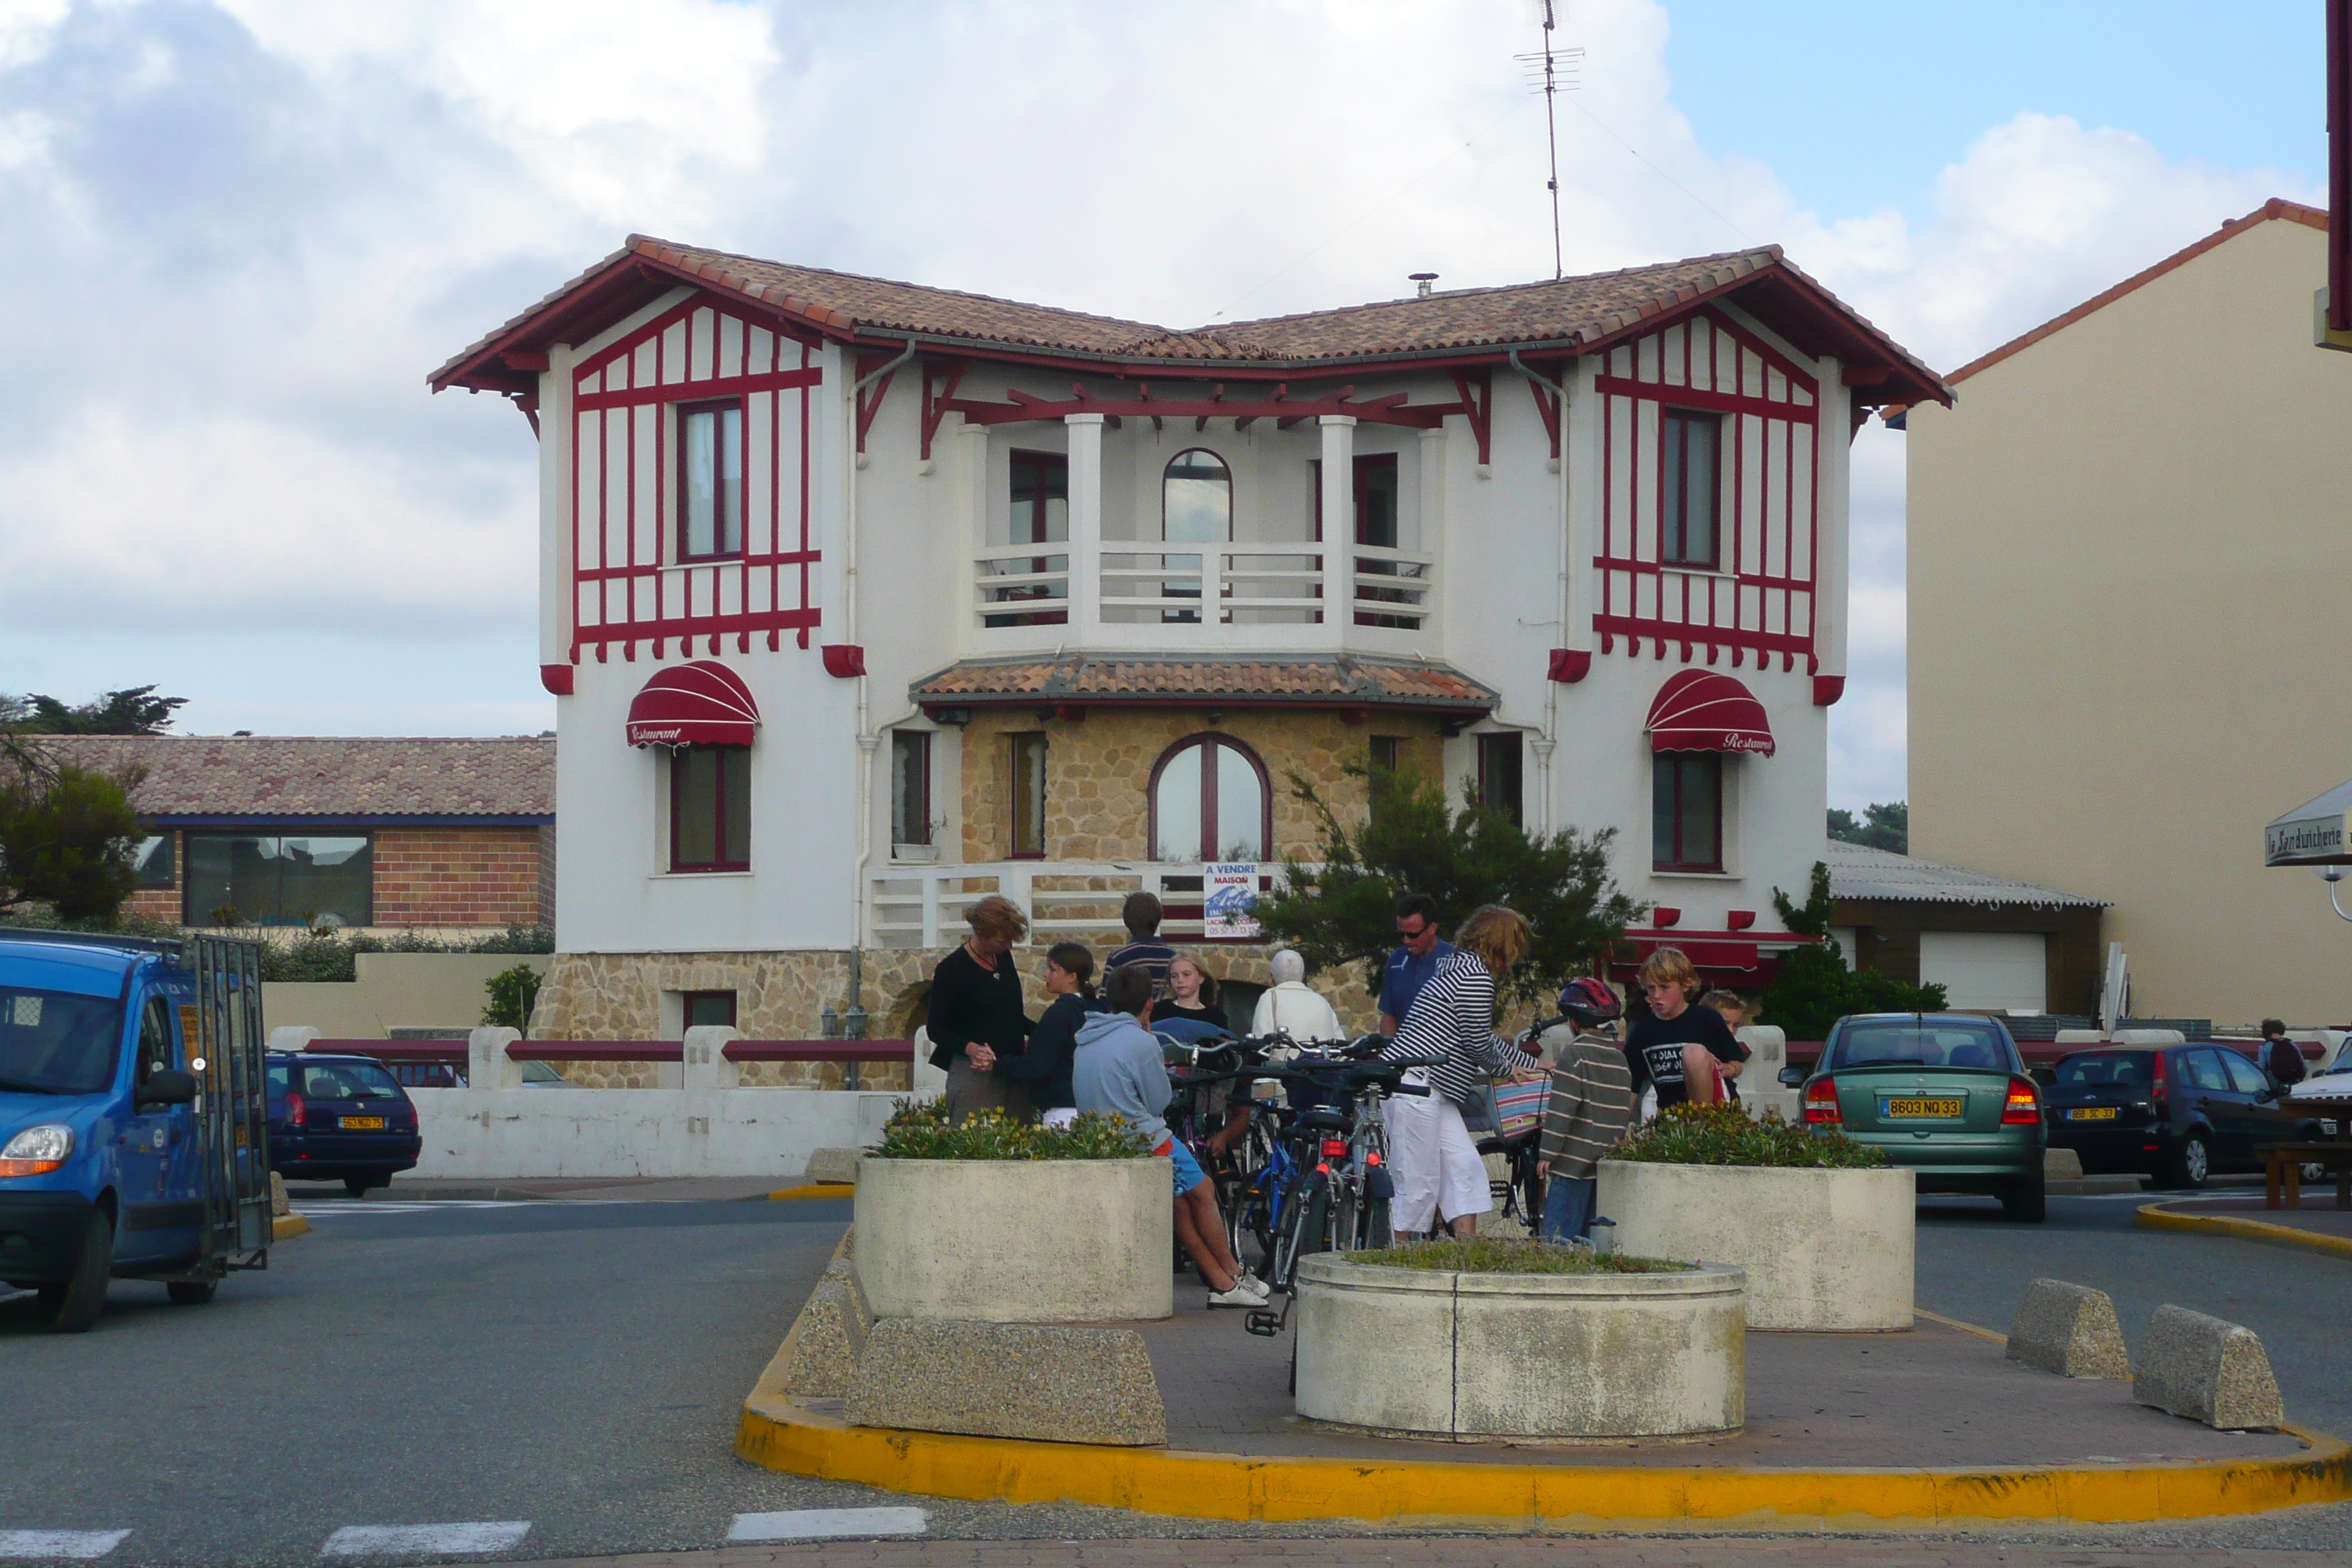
[1016, 1241]
[1824, 1249]
[1421, 1353]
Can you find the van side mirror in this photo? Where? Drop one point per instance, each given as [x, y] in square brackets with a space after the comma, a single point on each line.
[168, 1088]
[1792, 1077]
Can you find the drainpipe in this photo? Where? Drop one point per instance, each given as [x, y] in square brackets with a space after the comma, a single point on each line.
[867, 740]
[1551, 742]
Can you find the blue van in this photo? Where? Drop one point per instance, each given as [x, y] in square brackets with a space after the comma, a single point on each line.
[133, 1140]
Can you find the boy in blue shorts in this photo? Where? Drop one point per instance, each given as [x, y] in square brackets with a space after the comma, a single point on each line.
[1117, 1069]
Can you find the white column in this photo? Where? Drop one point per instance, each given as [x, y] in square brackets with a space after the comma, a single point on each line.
[969, 446]
[1836, 434]
[1582, 498]
[1085, 524]
[558, 599]
[1338, 526]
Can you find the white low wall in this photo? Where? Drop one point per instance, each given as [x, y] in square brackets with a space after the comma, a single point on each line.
[393, 991]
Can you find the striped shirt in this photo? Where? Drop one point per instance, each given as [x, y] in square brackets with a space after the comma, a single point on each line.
[1455, 1014]
[1590, 1106]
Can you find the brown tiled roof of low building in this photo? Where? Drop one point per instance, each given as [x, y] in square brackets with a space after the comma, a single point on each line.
[1567, 312]
[1328, 681]
[268, 776]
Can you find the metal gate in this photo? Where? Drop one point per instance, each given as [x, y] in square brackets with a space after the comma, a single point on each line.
[232, 1114]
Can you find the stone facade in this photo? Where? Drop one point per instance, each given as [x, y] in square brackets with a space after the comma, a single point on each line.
[1098, 773]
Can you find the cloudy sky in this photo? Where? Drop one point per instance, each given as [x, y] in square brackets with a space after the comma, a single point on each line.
[240, 232]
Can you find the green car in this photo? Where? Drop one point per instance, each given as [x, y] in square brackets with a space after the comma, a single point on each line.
[1945, 1094]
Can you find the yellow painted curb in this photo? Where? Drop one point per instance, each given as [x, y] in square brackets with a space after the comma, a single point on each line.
[2156, 1217]
[775, 1433]
[821, 1190]
[287, 1227]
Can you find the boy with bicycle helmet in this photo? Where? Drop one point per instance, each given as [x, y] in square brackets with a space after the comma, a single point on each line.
[1588, 1111]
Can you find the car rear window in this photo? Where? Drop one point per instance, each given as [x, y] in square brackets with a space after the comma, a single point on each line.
[2107, 1067]
[347, 1081]
[1896, 1043]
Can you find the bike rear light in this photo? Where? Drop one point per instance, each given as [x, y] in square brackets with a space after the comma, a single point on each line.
[1335, 1148]
[37, 1151]
[1821, 1103]
[1372, 1156]
[2024, 1107]
[297, 1113]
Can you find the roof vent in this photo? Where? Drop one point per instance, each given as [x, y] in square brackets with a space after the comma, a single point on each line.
[1423, 279]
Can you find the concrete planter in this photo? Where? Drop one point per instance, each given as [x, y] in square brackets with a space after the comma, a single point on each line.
[1823, 1250]
[1016, 1241]
[1421, 1353]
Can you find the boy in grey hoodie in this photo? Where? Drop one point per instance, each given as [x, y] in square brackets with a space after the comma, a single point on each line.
[1116, 1069]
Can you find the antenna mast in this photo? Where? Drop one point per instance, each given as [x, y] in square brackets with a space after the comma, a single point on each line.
[1545, 70]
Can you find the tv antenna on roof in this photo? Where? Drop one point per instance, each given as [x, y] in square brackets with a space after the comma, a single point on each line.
[1551, 71]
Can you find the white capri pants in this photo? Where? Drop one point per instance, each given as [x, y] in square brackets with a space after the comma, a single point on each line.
[1433, 1163]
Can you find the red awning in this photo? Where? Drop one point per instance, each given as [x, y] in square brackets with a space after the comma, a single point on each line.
[700, 704]
[1701, 710]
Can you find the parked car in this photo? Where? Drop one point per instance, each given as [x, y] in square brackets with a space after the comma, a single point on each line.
[444, 1075]
[2178, 1114]
[1945, 1094]
[339, 1119]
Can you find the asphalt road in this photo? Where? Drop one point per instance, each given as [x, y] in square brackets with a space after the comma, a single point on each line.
[578, 1367]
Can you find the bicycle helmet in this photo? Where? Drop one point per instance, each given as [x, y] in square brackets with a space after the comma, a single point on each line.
[1588, 1001]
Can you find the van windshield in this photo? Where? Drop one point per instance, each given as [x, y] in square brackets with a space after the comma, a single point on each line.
[1904, 1043]
[53, 1041]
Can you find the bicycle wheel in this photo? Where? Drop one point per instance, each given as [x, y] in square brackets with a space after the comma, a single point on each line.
[1306, 1229]
[1374, 1230]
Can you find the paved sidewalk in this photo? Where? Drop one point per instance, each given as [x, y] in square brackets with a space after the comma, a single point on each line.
[2318, 1215]
[599, 1189]
[1456, 1552]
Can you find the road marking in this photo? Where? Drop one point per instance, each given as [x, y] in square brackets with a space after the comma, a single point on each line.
[425, 1540]
[79, 1544]
[820, 1524]
[326, 1210]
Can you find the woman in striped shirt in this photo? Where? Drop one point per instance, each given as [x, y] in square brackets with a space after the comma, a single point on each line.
[1432, 1159]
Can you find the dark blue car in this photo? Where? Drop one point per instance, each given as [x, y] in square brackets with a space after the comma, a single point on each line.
[339, 1119]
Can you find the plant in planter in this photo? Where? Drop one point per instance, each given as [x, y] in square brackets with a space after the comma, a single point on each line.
[1823, 1224]
[1494, 1338]
[1005, 1221]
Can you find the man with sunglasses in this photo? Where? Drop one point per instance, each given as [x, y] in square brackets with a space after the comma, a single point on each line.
[1411, 965]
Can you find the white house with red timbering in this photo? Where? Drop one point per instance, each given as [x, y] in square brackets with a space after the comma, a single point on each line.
[863, 599]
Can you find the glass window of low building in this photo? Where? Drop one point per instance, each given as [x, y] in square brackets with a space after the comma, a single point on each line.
[272, 880]
[1209, 801]
[1687, 811]
[711, 480]
[1499, 759]
[711, 808]
[1027, 760]
[910, 786]
[154, 862]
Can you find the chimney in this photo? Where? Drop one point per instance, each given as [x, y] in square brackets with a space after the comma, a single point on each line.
[1422, 279]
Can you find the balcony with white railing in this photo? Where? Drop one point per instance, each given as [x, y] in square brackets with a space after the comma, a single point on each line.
[923, 906]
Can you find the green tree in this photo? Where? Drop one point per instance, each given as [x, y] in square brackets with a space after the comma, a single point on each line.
[69, 837]
[1881, 826]
[133, 710]
[1414, 840]
[1814, 988]
[513, 992]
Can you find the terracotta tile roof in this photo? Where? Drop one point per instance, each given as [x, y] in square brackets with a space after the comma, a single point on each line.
[1325, 681]
[1567, 311]
[280, 776]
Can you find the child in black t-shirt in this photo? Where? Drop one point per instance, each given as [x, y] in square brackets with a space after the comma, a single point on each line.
[1655, 1043]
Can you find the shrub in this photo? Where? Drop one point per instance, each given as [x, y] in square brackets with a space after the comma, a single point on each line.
[1722, 1134]
[1815, 988]
[512, 993]
[1506, 1255]
[920, 1129]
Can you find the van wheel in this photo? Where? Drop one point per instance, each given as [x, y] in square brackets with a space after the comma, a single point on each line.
[73, 1307]
[2026, 1203]
[2191, 1165]
[191, 1292]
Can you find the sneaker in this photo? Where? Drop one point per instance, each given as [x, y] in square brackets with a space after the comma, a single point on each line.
[1250, 1278]
[1244, 1293]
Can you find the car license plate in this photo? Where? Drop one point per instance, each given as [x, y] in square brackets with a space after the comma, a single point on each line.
[2092, 1114]
[362, 1124]
[1915, 1106]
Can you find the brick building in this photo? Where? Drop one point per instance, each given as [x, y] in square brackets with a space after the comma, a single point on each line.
[436, 834]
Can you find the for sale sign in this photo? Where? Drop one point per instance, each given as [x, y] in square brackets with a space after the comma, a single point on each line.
[1229, 899]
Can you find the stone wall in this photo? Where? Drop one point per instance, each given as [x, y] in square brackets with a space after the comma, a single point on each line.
[1098, 773]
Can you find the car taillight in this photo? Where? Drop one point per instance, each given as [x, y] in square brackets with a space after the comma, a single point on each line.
[1334, 1148]
[2024, 1107]
[297, 1113]
[2156, 1084]
[1821, 1103]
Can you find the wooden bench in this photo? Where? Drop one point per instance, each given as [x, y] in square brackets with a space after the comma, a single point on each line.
[2283, 1166]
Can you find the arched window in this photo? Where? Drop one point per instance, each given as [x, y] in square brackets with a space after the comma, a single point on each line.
[1210, 801]
[1196, 499]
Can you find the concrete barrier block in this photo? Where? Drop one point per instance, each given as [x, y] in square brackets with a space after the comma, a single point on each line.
[1008, 1380]
[829, 1338]
[2061, 1165]
[2069, 1330]
[279, 1206]
[836, 1165]
[2206, 1369]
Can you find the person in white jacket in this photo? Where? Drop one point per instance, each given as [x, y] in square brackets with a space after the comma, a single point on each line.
[1290, 1003]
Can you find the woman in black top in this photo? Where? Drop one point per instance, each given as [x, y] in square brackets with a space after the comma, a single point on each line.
[1044, 1069]
[1655, 1042]
[976, 1011]
[1191, 995]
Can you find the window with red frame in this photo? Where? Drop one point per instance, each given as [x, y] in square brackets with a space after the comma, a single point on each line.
[1689, 444]
[1209, 802]
[1040, 514]
[1687, 811]
[710, 809]
[1027, 758]
[710, 481]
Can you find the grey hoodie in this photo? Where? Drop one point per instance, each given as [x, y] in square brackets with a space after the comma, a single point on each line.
[1116, 1069]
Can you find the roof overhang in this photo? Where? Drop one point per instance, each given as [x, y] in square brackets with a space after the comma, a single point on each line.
[1070, 685]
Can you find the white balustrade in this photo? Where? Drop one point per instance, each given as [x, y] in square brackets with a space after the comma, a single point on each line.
[923, 906]
[1157, 583]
